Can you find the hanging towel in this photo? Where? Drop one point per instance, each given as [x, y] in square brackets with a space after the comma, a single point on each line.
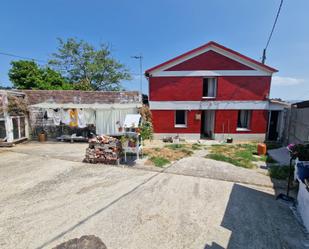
[73, 118]
[89, 116]
[81, 119]
[50, 113]
[65, 116]
[57, 117]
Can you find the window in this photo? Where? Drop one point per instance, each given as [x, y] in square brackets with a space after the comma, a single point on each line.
[209, 87]
[180, 118]
[2, 129]
[243, 121]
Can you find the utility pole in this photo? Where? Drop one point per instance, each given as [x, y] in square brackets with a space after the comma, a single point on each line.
[140, 58]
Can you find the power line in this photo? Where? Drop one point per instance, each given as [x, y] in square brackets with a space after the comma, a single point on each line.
[22, 57]
[271, 33]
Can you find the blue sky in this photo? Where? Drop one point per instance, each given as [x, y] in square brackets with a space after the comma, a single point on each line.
[162, 29]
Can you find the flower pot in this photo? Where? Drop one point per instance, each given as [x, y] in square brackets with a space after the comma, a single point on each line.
[132, 144]
[229, 140]
[302, 170]
[42, 137]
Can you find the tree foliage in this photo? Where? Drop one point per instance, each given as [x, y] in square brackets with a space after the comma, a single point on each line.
[26, 74]
[88, 67]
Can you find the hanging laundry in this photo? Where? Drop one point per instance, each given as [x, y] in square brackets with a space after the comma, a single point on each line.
[50, 113]
[81, 119]
[65, 116]
[89, 116]
[73, 117]
[57, 117]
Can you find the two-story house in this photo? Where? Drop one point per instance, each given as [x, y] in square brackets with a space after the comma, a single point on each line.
[210, 92]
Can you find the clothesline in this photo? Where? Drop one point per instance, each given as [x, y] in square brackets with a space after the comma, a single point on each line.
[72, 117]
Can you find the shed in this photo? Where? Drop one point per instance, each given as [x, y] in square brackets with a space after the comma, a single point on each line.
[66, 112]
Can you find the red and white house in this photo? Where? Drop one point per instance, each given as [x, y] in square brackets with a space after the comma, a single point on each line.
[212, 92]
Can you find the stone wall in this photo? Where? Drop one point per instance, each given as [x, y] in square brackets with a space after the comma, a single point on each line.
[81, 97]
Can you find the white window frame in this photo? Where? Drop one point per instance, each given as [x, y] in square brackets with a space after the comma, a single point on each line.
[18, 126]
[214, 83]
[248, 121]
[186, 120]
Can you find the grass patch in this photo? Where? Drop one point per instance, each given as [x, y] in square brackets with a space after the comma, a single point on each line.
[159, 161]
[171, 152]
[187, 152]
[279, 172]
[175, 146]
[241, 163]
[242, 155]
[197, 146]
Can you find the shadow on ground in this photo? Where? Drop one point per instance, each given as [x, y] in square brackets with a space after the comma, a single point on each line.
[267, 225]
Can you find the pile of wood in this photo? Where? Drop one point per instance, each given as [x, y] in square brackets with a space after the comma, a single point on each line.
[103, 149]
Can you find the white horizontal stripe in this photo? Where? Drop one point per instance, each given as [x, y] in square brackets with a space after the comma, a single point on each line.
[204, 73]
[209, 105]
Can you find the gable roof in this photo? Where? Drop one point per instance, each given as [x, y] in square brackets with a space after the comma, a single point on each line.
[217, 48]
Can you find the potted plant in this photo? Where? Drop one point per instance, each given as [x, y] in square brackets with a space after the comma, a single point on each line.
[229, 140]
[42, 136]
[119, 126]
[124, 140]
[132, 142]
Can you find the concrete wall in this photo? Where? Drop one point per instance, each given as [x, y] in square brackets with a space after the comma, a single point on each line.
[297, 126]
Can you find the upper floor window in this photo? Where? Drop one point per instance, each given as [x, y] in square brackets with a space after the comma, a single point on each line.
[180, 118]
[209, 87]
[243, 121]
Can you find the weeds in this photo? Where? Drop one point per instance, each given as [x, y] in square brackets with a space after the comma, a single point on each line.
[280, 172]
[159, 161]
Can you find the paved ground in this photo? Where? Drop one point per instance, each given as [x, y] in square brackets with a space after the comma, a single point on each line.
[281, 155]
[45, 200]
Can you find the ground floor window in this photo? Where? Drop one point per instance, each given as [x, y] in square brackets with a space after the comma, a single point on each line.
[180, 118]
[243, 121]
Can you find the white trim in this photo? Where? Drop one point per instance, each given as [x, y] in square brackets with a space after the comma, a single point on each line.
[209, 105]
[188, 136]
[259, 137]
[217, 50]
[208, 73]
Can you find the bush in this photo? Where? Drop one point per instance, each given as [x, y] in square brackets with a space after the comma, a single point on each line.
[280, 172]
[146, 130]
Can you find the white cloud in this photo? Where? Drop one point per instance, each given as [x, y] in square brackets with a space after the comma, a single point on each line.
[286, 81]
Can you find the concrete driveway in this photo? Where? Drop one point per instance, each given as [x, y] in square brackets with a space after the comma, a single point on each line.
[47, 197]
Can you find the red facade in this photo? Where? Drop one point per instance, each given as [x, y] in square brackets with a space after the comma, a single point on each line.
[190, 88]
[240, 84]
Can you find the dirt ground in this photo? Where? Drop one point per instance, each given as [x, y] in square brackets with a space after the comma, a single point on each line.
[47, 196]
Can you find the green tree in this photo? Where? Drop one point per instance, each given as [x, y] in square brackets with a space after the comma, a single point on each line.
[87, 66]
[26, 74]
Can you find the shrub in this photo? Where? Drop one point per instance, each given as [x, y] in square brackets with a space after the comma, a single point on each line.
[280, 172]
[146, 130]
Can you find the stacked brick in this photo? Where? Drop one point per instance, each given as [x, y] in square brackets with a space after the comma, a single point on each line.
[103, 149]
